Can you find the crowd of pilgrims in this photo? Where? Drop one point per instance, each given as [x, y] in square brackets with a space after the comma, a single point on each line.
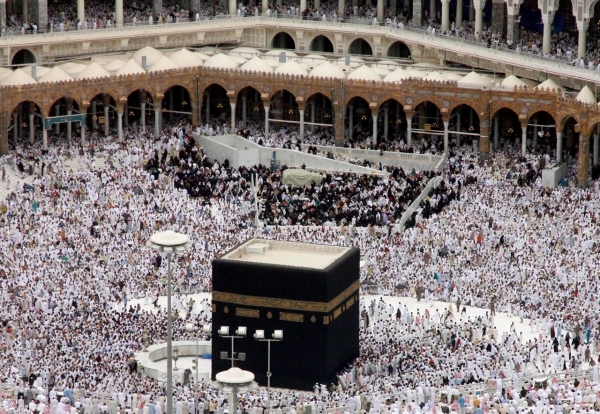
[73, 243]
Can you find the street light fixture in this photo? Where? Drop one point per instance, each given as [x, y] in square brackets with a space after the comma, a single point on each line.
[277, 336]
[169, 242]
[240, 332]
[175, 358]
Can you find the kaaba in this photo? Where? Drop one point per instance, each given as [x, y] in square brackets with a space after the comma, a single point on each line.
[309, 291]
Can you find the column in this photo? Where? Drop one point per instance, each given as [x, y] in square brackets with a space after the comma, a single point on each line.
[143, 105]
[302, 6]
[498, 12]
[351, 121]
[338, 122]
[301, 124]
[471, 10]
[266, 121]
[81, 11]
[126, 115]
[94, 115]
[380, 11]
[417, 12]
[57, 113]
[44, 138]
[559, 139]
[171, 104]
[596, 149]
[156, 120]
[207, 107]
[459, 13]
[512, 27]
[244, 104]
[31, 128]
[386, 115]
[478, 19]
[83, 127]
[547, 44]
[233, 118]
[535, 133]
[317, 4]
[484, 141]
[15, 127]
[25, 11]
[157, 7]
[582, 27]
[120, 126]
[106, 121]
[2, 13]
[445, 15]
[374, 129]
[312, 116]
[69, 125]
[119, 13]
[583, 161]
[394, 8]
[524, 140]
[232, 8]
[409, 132]
[20, 123]
[265, 7]
[342, 9]
[458, 129]
[496, 133]
[446, 145]
[432, 8]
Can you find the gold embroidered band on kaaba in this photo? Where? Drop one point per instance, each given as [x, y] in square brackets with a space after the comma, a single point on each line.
[297, 305]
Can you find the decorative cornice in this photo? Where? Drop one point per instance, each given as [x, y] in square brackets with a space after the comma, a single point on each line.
[276, 303]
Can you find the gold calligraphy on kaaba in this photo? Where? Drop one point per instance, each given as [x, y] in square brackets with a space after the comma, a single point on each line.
[247, 313]
[287, 304]
[291, 317]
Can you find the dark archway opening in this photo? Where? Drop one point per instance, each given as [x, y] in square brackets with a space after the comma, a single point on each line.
[399, 50]
[359, 120]
[282, 40]
[427, 128]
[360, 47]
[216, 108]
[250, 109]
[177, 104]
[509, 128]
[464, 126]
[23, 57]
[321, 44]
[392, 111]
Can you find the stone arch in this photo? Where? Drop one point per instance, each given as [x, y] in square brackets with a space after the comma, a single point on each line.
[283, 107]
[321, 43]
[255, 109]
[360, 46]
[399, 50]
[427, 123]
[215, 103]
[465, 122]
[396, 125]
[359, 119]
[177, 102]
[50, 111]
[509, 126]
[564, 121]
[543, 130]
[23, 57]
[21, 126]
[106, 105]
[283, 40]
[323, 112]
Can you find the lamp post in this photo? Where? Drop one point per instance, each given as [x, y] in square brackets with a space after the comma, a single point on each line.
[239, 333]
[277, 336]
[175, 358]
[169, 242]
[206, 329]
[145, 340]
